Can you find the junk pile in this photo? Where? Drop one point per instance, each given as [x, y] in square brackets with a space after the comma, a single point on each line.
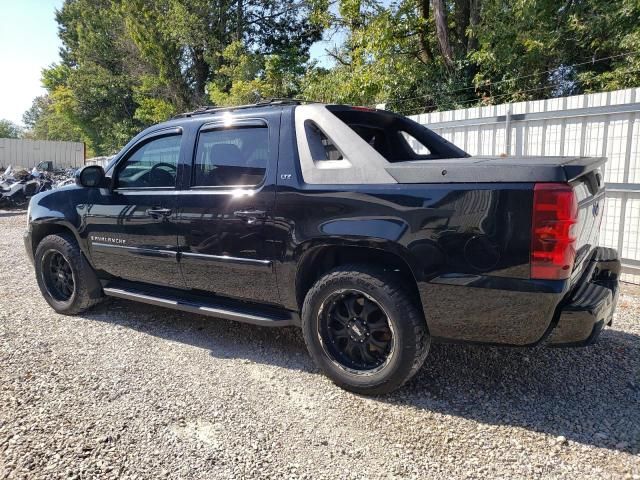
[18, 185]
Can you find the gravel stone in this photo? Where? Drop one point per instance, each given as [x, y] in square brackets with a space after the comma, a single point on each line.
[132, 391]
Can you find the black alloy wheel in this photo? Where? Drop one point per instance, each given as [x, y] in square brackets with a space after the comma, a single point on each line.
[364, 328]
[355, 331]
[57, 276]
[67, 281]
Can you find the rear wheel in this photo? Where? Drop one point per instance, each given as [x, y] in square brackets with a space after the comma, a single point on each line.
[66, 280]
[363, 330]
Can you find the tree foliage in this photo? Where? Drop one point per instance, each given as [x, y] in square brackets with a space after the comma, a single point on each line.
[126, 64]
[9, 129]
[417, 55]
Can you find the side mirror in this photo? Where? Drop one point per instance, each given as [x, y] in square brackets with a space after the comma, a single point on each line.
[91, 176]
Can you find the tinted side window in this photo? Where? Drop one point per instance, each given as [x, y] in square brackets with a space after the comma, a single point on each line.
[231, 157]
[154, 164]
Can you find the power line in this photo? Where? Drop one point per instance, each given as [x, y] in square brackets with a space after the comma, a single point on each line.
[490, 84]
[525, 76]
[494, 97]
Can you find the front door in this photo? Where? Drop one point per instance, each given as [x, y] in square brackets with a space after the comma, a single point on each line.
[132, 226]
[225, 206]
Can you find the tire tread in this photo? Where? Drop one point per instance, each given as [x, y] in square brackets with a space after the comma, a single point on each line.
[395, 288]
[67, 243]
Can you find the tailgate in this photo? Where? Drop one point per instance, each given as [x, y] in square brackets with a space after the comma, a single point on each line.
[590, 192]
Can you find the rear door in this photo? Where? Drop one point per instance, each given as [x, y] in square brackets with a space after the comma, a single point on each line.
[225, 205]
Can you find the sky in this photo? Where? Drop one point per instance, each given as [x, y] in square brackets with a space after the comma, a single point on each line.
[29, 42]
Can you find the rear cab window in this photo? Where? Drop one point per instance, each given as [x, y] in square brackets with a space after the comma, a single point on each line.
[234, 156]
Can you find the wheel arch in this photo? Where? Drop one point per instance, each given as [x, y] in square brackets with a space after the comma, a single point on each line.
[87, 285]
[41, 230]
[319, 259]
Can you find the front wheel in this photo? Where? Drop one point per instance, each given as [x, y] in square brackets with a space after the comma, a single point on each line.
[66, 280]
[363, 330]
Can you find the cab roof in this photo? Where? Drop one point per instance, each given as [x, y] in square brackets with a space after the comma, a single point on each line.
[274, 102]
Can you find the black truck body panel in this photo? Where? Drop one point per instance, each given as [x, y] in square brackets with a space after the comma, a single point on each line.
[463, 235]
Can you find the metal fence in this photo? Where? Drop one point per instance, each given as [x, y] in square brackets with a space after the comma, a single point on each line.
[102, 161]
[600, 124]
[28, 153]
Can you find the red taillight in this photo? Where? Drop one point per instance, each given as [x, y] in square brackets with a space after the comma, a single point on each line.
[555, 213]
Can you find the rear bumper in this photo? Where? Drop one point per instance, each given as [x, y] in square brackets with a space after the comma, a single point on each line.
[590, 306]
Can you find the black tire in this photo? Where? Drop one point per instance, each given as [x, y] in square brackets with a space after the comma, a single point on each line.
[409, 342]
[85, 290]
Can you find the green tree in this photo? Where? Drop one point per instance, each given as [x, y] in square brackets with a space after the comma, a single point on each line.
[126, 64]
[549, 48]
[248, 77]
[419, 55]
[9, 129]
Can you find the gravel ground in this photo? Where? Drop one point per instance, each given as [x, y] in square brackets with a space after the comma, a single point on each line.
[132, 391]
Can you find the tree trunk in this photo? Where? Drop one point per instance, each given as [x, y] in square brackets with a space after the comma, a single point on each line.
[200, 76]
[463, 8]
[239, 20]
[474, 21]
[424, 54]
[442, 32]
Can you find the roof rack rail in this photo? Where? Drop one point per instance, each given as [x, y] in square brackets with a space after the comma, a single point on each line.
[207, 109]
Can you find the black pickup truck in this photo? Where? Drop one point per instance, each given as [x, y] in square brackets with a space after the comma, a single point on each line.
[366, 229]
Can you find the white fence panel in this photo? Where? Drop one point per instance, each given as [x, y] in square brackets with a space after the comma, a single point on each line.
[102, 161]
[28, 153]
[598, 124]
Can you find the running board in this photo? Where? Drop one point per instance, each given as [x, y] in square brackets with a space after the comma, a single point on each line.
[249, 314]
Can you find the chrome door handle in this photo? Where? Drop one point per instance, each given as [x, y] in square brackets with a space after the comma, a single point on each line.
[158, 212]
[251, 216]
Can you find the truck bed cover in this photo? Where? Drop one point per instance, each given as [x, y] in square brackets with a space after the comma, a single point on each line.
[494, 169]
